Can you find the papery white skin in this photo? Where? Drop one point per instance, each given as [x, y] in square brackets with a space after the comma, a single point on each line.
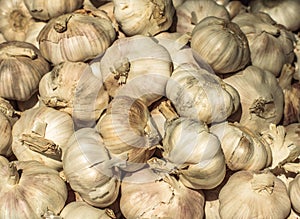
[28, 189]
[294, 189]
[89, 168]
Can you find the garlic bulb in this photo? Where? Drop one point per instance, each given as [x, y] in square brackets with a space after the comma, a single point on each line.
[89, 168]
[271, 45]
[77, 36]
[294, 189]
[222, 44]
[254, 195]
[200, 95]
[192, 12]
[242, 148]
[128, 132]
[144, 17]
[72, 87]
[261, 98]
[146, 194]
[80, 209]
[283, 12]
[28, 189]
[45, 9]
[41, 134]
[16, 23]
[136, 66]
[6, 136]
[22, 66]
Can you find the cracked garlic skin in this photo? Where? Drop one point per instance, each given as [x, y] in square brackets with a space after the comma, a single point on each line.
[81, 209]
[21, 68]
[191, 12]
[195, 153]
[77, 36]
[146, 194]
[46, 9]
[254, 195]
[294, 193]
[271, 45]
[90, 169]
[136, 66]
[201, 95]
[41, 134]
[73, 88]
[144, 17]
[285, 12]
[128, 131]
[261, 98]
[222, 44]
[28, 189]
[242, 148]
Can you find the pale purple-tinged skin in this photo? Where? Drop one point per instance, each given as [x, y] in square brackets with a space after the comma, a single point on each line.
[38, 190]
[244, 196]
[143, 195]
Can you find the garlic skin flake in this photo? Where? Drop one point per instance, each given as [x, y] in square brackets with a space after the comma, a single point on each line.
[146, 194]
[143, 17]
[250, 194]
[77, 36]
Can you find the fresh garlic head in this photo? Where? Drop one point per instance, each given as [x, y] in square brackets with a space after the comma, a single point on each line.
[145, 194]
[221, 44]
[242, 148]
[22, 66]
[250, 194]
[41, 134]
[261, 98]
[89, 168]
[136, 66]
[285, 12]
[201, 95]
[194, 152]
[192, 12]
[77, 36]
[46, 9]
[72, 87]
[271, 45]
[144, 17]
[128, 132]
[294, 193]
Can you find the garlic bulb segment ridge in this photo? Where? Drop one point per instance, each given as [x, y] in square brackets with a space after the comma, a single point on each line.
[73, 88]
[46, 9]
[145, 194]
[242, 148]
[194, 153]
[28, 189]
[143, 17]
[41, 134]
[90, 170]
[283, 12]
[200, 95]
[191, 12]
[261, 98]
[136, 66]
[81, 209]
[249, 194]
[128, 132]
[222, 44]
[77, 36]
[21, 68]
[271, 45]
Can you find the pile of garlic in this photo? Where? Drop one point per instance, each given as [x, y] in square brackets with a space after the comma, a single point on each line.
[149, 109]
